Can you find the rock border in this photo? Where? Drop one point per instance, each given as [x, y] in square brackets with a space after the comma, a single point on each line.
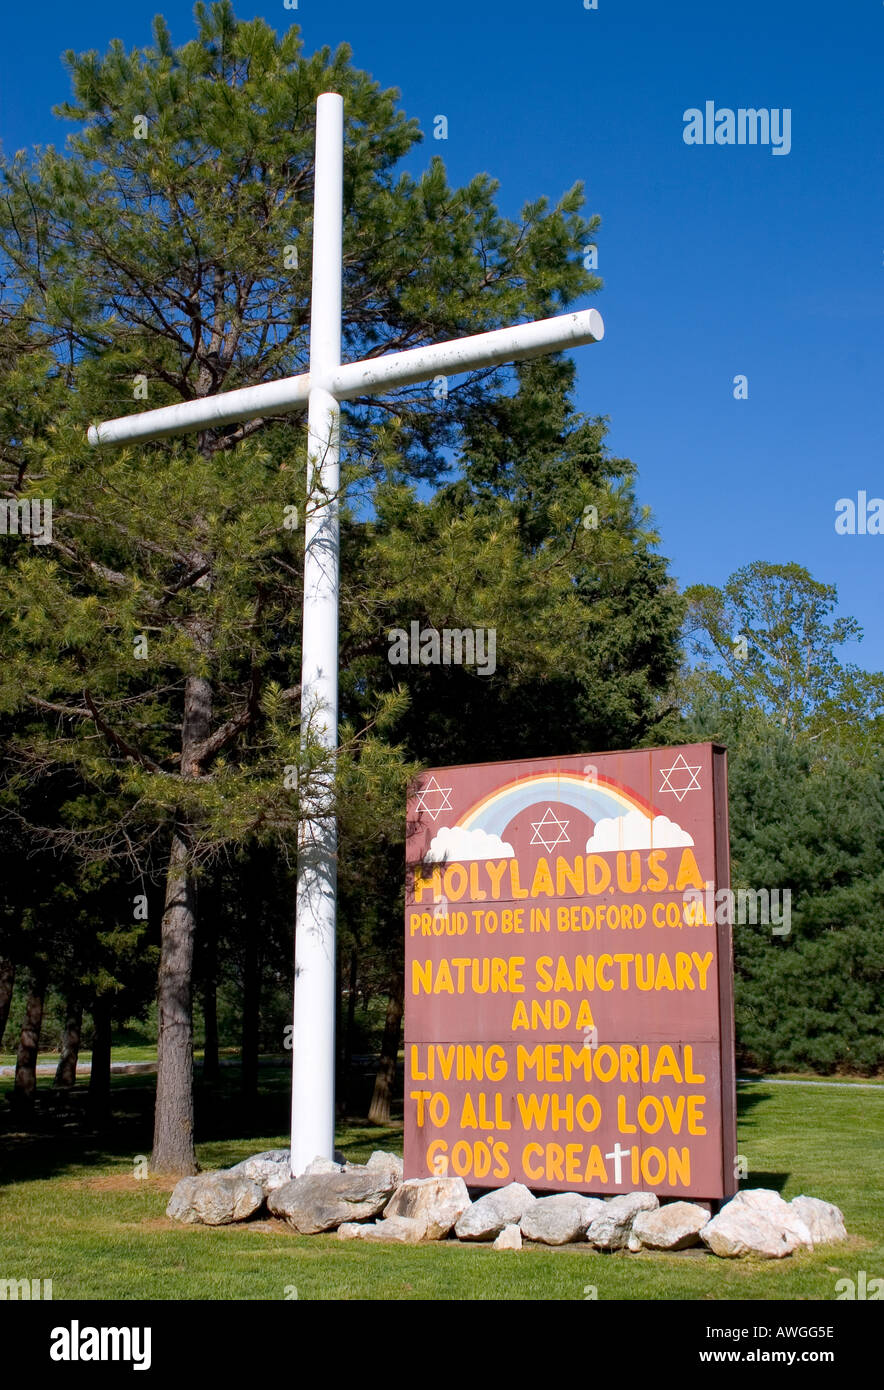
[374, 1202]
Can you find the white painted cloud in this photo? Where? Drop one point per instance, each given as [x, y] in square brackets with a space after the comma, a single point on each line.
[454, 842]
[636, 831]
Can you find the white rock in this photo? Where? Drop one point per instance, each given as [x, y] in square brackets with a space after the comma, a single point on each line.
[487, 1217]
[610, 1227]
[823, 1219]
[634, 1244]
[559, 1219]
[778, 1211]
[269, 1169]
[322, 1165]
[352, 1230]
[404, 1230]
[322, 1201]
[510, 1238]
[214, 1199]
[438, 1202]
[673, 1227]
[389, 1163]
[742, 1230]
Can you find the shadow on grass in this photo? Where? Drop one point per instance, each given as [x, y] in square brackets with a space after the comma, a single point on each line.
[60, 1135]
[749, 1096]
[775, 1180]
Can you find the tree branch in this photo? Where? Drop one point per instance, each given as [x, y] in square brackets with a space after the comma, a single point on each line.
[117, 740]
[203, 753]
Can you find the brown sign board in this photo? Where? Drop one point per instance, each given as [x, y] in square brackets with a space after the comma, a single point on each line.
[569, 995]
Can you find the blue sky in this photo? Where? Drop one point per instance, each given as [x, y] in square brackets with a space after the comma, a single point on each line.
[718, 260]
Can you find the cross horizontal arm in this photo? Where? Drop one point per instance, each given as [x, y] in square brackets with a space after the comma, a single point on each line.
[227, 408]
[379, 374]
[370, 377]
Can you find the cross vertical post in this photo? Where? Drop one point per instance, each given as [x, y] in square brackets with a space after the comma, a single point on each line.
[313, 1035]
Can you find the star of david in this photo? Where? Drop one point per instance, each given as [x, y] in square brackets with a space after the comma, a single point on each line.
[432, 788]
[686, 778]
[549, 822]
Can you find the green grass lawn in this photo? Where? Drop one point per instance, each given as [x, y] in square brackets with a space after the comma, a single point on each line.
[71, 1210]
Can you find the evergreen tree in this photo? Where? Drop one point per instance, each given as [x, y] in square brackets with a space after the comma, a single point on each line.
[806, 813]
[813, 998]
[767, 643]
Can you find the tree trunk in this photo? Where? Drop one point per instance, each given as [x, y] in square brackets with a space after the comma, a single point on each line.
[66, 1071]
[348, 1031]
[98, 1104]
[173, 1150]
[7, 980]
[379, 1110]
[24, 1093]
[251, 1014]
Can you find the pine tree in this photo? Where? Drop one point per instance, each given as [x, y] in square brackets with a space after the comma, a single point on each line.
[806, 812]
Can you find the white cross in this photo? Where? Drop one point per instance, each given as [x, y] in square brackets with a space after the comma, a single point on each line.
[618, 1156]
[321, 389]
